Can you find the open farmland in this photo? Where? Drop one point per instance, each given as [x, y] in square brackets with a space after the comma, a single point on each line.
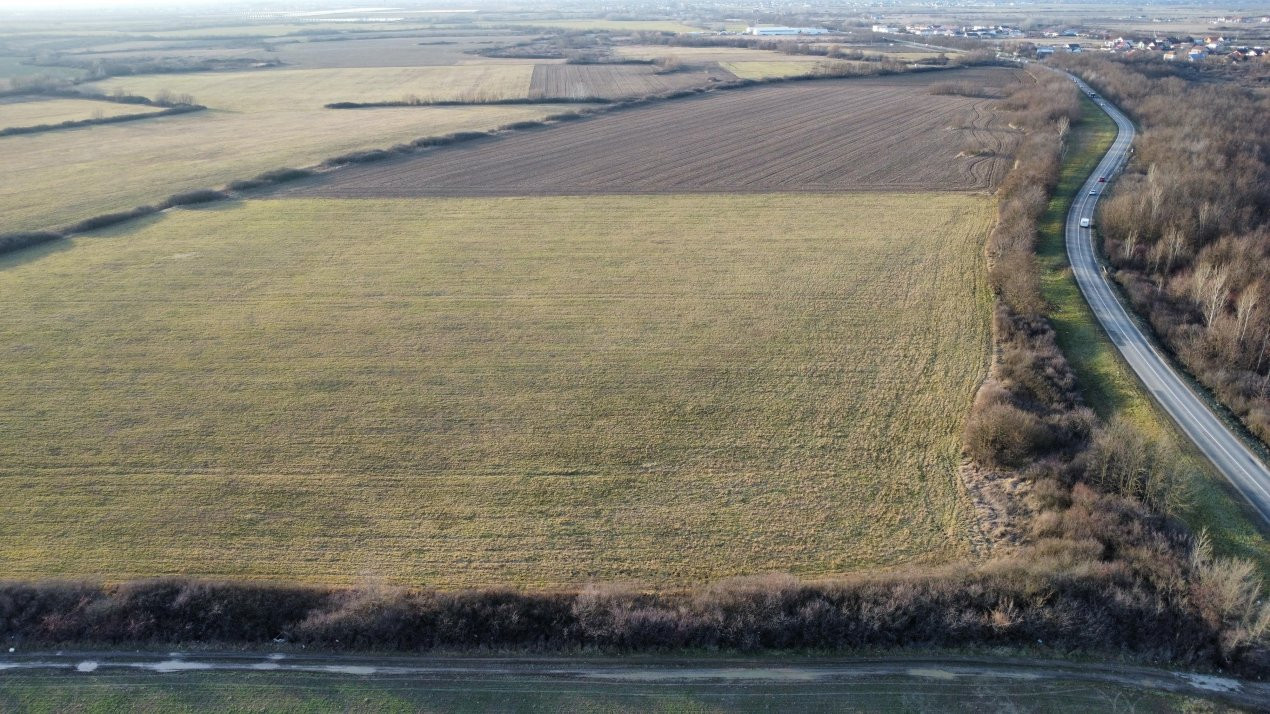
[261, 90]
[258, 121]
[33, 111]
[468, 391]
[781, 68]
[580, 81]
[419, 50]
[693, 55]
[54, 178]
[883, 133]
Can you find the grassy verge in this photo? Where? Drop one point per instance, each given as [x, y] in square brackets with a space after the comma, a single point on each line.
[1107, 383]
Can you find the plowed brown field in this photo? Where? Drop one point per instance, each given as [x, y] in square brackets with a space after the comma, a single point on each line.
[885, 133]
[581, 81]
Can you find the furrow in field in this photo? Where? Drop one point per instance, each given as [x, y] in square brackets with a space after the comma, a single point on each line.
[815, 136]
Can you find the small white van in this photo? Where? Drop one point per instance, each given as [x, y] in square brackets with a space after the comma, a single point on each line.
[1084, 223]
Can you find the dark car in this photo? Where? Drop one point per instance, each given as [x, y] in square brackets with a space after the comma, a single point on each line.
[1102, 179]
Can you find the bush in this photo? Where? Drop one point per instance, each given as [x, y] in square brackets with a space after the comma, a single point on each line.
[109, 219]
[189, 198]
[10, 242]
[358, 157]
[270, 178]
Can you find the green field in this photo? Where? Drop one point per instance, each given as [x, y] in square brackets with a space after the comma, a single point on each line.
[1107, 382]
[536, 391]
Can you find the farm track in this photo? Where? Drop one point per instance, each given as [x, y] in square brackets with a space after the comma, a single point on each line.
[886, 133]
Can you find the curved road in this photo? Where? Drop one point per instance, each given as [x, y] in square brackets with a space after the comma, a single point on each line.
[1217, 442]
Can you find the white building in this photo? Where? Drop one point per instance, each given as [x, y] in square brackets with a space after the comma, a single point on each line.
[766, 31]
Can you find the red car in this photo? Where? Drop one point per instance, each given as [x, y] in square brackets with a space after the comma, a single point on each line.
[1102, 179]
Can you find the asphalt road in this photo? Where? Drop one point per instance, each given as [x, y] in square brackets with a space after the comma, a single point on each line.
[544, 672]
[1191, 413]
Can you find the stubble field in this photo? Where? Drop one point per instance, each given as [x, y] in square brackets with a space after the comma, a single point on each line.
[885, 133]
[469, 391]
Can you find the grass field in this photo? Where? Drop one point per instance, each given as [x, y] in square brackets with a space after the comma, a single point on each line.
[281, 89]
[54, 111]
[574, 81]
[778, 68]
[1108, 384]
[536, 391]
[257, 121]
[710, 54]
[59, 177]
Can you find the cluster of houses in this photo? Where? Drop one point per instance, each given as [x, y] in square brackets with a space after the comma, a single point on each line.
[987, 32]
[1171, 49]
[1193, 49]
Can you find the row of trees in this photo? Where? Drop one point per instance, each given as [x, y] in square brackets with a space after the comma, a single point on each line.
[1188, 225]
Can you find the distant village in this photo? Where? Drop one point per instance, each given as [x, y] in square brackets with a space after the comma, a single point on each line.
[1169, 47]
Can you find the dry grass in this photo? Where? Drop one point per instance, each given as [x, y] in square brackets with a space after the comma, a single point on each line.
[282, 89]
[258, 121]
[55, 111]
[710, 54]
[584, 81]
[532, 391]
[765, 69]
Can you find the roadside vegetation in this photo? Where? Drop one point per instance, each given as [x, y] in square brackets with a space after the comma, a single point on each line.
[1107, 384]
[1188, 225]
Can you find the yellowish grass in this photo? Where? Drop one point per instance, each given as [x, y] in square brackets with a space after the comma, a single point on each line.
[55, 111]
[711, 54]
[283, 89]
[258, 121]
[532, 391]
[780, 68]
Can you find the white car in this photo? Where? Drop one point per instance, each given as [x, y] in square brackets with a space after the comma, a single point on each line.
[1093, 193]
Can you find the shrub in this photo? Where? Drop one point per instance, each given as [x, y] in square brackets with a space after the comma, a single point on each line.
[10, 242]
[189, 198]
[358, 157]
[269, 178]
[109, 219]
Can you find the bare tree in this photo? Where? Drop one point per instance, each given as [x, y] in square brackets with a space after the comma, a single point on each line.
[1245, 305]
[1208, 287]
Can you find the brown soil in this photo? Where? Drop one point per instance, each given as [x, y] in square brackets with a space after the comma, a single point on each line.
[881, 133]
[581, 81]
